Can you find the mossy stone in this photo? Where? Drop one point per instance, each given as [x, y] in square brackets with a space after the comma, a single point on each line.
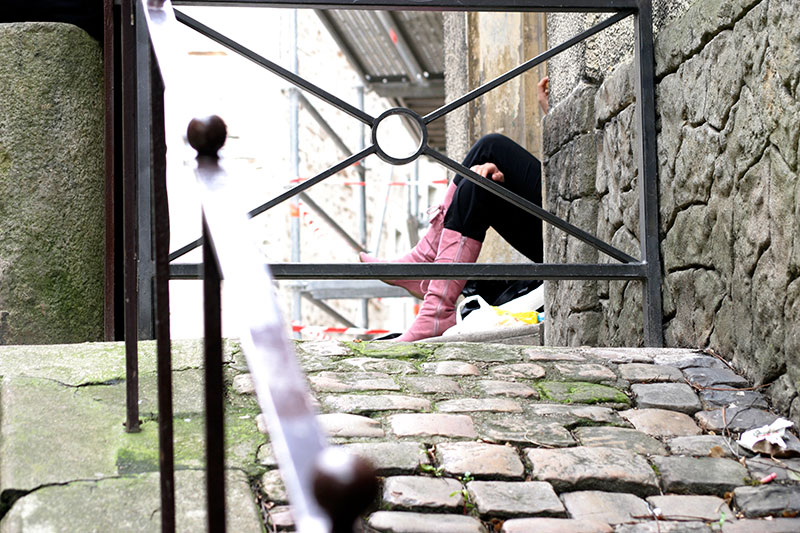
[393, 350]
[51, 185]
[580, 392]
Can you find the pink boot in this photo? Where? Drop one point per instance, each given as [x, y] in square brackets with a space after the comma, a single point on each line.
[437, 313]
[423, 252]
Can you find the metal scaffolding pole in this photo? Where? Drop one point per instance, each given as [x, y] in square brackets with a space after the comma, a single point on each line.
[294, 169]
[362, 203]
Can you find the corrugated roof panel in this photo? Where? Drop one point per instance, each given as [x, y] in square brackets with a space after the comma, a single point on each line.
[425, 32]
[367, 41]
[365, 34]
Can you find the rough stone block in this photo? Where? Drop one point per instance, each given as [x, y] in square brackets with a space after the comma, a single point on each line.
[673, 396]
[554, 525]
[615, 93]
[714, 377]
[734, 419]
[548, 353]
[645, 373]
[524, 429]
[587, 468]
[610, 507]
[575, 115]
[416, 493]
[355, 381]
[452, 368]
[777, 525]
[507, 388]
[483, 461]
[405, 522]
[687, 34]
[509, 498]
[273, 487]
[623, 438]
[768, 500]
[49, 434]
[51, 185]
[700, 475]
[518, 371]
[686, 359]
[571, 415]
[431, 385]
[472, 405]
[105, 505]
[578, 160]
[361, 403]
[347, 425]
[588, 372]
[580, 392]
[786, 469]
[662, 526]
[483, 352]
[391, 458]
[691, 508]
[432, 424]
[703, 446]
[660, 422]
[729, 398]
[374, 364]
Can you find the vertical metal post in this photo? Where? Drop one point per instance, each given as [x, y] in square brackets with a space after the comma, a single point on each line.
[362, 202]
[215, 423]
[648, 174]
[145, 265]
[164, 353]
[128, 44]
[109, 54]
[294, 170]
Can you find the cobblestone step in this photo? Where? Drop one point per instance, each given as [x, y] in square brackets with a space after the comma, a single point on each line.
[464, 437]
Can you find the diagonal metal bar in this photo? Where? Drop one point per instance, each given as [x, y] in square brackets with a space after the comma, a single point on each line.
[530, 207]
[183, 250]
[274, 68]
[369, 150]
[521, 69]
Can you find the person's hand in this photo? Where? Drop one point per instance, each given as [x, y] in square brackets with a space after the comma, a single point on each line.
[543, 93]
[489, 170]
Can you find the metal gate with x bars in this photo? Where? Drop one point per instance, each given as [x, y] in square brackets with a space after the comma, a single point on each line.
[646, 269]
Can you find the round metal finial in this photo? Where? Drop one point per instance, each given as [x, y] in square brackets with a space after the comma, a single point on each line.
[207, 135]
[344, 485]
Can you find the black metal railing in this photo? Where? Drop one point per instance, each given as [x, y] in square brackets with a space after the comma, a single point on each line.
[261, 336]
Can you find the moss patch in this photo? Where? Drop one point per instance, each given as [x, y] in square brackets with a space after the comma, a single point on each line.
[393, 350]
[580, 392]
[139, 451]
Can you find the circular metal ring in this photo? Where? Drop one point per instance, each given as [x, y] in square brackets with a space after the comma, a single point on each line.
[412, 116]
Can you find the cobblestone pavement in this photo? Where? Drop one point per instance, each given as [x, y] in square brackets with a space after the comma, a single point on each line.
[465, 437]
[471, 438]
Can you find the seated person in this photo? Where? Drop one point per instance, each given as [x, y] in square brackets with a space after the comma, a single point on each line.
[457, 230]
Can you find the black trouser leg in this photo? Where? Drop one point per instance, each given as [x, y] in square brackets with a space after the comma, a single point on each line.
[475, 209]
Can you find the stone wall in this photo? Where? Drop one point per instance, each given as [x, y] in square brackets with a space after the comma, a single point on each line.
[51, 184]
[593, 59]
[728, 109]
